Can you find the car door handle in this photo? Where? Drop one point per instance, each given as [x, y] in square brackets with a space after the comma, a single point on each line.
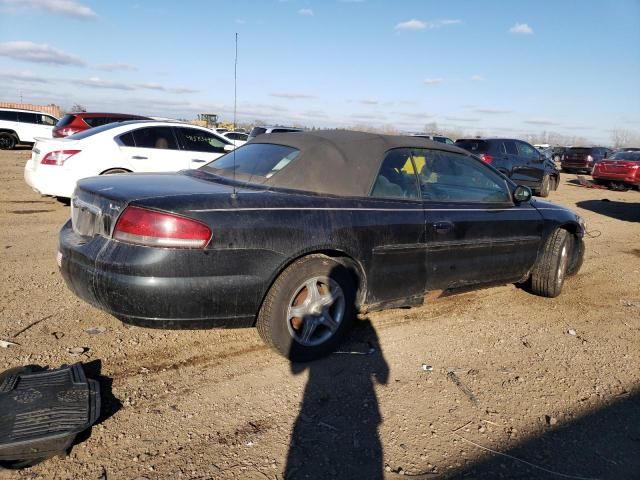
[198, 160]
[443, 227]
[139, 157]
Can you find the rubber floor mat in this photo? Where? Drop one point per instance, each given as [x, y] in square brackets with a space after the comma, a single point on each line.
[41, 412]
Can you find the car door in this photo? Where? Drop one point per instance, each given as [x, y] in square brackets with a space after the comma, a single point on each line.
[529, 168]
[32, 125]
[475, 233]
[199, 146]
[391, 229]
[151, 149]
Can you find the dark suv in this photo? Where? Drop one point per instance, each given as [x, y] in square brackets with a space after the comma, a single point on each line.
[582, 159]
[77, 122]
[518, 160]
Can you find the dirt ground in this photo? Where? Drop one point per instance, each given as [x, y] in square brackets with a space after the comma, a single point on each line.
[551, 384]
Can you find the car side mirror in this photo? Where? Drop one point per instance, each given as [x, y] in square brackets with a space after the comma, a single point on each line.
[228, 147]
[522, 194]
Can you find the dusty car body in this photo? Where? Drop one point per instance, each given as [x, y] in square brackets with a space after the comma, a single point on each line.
[295, 232]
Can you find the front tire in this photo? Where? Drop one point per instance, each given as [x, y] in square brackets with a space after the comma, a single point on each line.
[308, 308]
[545, 186]
[547, 277]
[7, 141]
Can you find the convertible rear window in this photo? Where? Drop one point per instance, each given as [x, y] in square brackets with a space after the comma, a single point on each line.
[253, 159]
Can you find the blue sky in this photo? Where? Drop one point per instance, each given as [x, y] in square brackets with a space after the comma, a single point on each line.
[496, 67]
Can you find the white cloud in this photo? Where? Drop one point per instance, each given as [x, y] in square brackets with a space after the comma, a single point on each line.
[307, 12]
[433, 81]
[413, 24]
[22, 77]
[113, 67]
[97, 82]
[541, 121]
[38, 52]
[477, 78]
[240, 21]
[491, 110]
[521, 28]
[69, 8]
[462, 119]
[446, 22]
[291, 95]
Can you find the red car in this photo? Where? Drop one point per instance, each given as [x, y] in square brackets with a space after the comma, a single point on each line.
[77, 122]
[621, 167]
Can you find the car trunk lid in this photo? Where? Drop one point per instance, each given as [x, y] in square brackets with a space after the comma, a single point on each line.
[98, 201]
[43, 146]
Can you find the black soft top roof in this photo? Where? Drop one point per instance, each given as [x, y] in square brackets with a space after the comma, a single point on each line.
[339, 162]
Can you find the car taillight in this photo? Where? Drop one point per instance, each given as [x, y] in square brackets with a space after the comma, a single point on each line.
[486, 158]
[157, 229]
[65, 132]
[58, 157]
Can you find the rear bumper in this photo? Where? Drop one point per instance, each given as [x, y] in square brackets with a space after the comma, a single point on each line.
[576, 165]
[163, 288]
[630, 178]
[49, 180]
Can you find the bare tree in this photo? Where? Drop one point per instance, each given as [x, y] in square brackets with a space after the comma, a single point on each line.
[622, 137]
[77, 108]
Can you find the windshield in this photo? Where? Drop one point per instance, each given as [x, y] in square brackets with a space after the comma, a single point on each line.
[628, 156]
[253, 160]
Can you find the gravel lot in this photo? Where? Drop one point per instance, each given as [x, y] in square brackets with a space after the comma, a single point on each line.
[552, 382]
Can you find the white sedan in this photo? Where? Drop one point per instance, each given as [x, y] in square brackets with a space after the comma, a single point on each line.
[134, 146]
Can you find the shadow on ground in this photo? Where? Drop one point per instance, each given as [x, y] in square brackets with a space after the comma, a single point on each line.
[604, 444]
[336, 432]
[625, 211]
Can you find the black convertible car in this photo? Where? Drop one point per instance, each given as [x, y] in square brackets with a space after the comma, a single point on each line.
[296, 232]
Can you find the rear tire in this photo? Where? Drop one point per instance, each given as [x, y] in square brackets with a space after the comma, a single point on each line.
[7, 141]
[547, 277]
[113, 171]
[545, 186]
[322, 292]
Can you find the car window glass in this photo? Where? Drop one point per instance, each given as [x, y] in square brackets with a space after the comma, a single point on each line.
[155, 137]
[8, 116]
[473, 146]
[511, 148]
[448, 141]
[195, 140]
[27, 117]
[527, 150]
[97, 121]
[127, 140]
[46, 120]
[451, 177]
[397, 176]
